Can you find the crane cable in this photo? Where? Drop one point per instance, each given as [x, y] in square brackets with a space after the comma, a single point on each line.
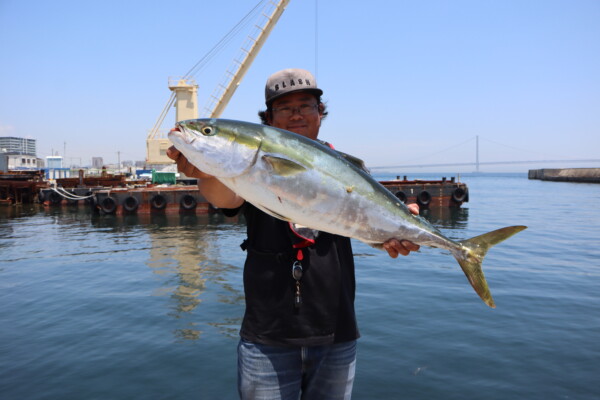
[223, 42]
[317, 39]
[203, 62]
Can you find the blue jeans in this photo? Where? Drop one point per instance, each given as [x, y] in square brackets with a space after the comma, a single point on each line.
[286, 373]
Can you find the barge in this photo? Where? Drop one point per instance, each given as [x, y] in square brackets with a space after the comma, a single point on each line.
[137, 199]
[186, 198]
[429, 193]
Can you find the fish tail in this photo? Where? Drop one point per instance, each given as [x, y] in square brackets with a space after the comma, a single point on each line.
[470, 257]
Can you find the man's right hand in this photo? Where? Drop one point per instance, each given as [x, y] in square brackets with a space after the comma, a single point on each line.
[184, 166]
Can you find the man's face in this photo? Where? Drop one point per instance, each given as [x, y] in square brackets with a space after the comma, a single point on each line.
[299, 113]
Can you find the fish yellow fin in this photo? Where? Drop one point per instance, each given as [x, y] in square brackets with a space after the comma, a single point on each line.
[471, 256]
[283, 166]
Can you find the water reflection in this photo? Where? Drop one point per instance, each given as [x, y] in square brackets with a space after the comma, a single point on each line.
[447, 217]
[196, 257]
[229, 327]
[6, 228]
[186, 251]
[17, 211]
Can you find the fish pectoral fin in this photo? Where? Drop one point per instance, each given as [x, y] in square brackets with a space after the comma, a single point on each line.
[283, 166]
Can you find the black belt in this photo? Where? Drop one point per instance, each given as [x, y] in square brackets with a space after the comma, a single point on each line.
[280, 257]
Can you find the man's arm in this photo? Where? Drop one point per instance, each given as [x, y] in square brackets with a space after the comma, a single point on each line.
[210, 187]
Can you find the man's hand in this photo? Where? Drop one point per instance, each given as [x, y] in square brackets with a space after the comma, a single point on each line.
[404, 247]
[184, 166]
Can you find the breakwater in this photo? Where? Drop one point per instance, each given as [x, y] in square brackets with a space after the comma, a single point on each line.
[588, 175]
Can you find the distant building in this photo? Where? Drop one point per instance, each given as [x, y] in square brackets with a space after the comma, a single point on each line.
[18, 162]
[17, 145]
[97, 162]
[54, 162]
[54, 168]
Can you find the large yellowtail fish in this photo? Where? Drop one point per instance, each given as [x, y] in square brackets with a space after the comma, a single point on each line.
[297, 179]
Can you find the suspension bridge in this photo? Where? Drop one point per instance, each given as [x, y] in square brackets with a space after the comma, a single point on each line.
[477, 163]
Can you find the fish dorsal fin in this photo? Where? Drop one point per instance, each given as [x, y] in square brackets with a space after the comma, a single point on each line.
[283, 166]
[357, 162]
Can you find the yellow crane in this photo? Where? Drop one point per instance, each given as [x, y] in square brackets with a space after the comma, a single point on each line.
[185, 90]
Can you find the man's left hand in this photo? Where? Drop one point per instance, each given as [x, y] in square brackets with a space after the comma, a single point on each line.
[398, 246]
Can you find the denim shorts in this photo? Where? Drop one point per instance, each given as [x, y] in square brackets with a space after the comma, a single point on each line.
[286, 373]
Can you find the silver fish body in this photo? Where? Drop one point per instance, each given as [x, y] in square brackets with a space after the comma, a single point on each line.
[297, 179]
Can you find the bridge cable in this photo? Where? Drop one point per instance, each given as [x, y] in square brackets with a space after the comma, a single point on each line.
[441, 151]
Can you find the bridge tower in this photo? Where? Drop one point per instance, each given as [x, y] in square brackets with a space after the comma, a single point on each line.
[477, 153]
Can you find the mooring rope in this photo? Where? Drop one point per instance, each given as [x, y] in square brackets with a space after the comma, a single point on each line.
[70, 196]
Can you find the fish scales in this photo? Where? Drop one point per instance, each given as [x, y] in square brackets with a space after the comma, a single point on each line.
[318, 197]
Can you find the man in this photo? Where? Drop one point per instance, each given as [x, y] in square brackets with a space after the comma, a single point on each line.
[298, 335]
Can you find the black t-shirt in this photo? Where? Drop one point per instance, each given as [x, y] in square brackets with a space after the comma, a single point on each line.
[327, 286]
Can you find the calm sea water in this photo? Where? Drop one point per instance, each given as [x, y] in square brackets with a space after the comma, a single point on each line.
[104, 307]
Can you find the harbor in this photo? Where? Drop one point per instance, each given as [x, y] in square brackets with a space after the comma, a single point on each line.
[152, 303]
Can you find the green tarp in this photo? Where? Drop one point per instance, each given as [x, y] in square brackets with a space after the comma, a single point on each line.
[163, 177]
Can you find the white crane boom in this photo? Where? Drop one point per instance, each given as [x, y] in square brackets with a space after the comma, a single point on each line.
[185, 89]
[233, 77]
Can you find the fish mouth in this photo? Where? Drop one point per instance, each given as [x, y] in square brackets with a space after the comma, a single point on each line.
[182, 133]
[176, 132]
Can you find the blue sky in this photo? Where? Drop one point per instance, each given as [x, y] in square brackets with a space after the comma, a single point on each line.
[406, 82]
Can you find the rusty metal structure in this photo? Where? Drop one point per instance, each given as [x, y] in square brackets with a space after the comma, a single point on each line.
[19, 187]
[152, 200]
[429, 193]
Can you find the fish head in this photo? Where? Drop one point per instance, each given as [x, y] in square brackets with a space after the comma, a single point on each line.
[217, 147]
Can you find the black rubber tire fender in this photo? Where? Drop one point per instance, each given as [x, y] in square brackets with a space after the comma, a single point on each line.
[108, 205]
[54, 198]
[131, 204]
[188, 202]
[158, 202]
[424, 198]
[459, 195]
[400, 195]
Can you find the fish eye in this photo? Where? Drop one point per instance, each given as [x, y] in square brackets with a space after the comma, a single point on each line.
[207, 131]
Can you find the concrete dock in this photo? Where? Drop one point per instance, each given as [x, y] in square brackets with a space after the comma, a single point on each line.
[587, 175]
